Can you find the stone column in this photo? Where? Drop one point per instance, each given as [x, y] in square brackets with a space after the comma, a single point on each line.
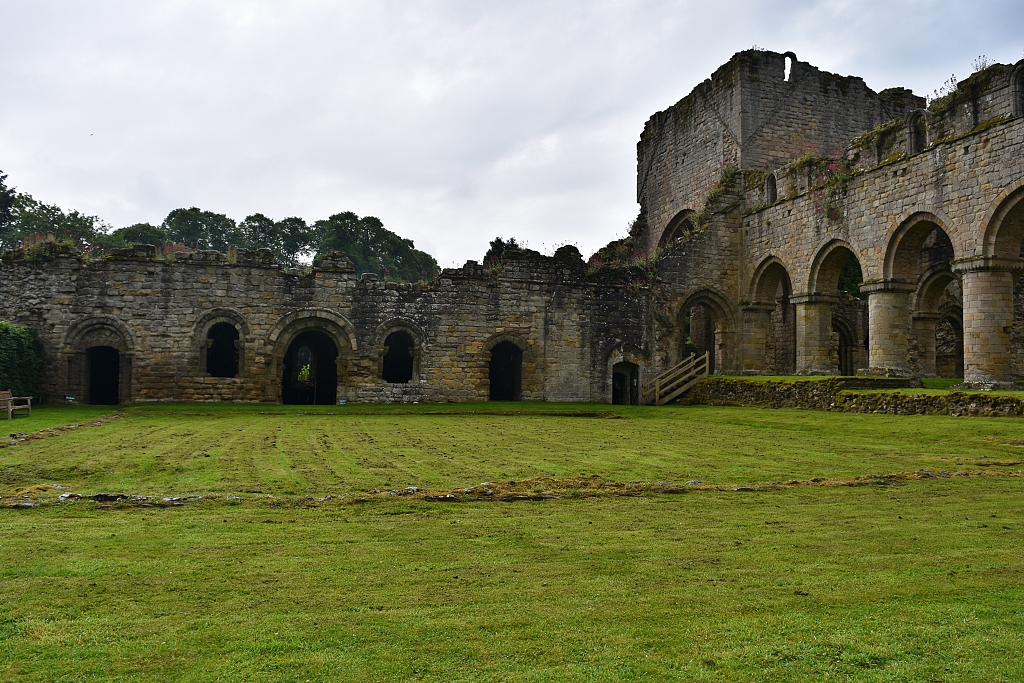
[988, 319]
[924, 335]
[757, 320]
[888, 327]
[814, 334]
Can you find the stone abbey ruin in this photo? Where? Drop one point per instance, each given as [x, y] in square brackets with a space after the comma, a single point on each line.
[756, 191]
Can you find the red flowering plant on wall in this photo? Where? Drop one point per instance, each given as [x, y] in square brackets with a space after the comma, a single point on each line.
[830, 188]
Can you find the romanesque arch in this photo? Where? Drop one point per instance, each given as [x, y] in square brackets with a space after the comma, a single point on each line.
[988, 282]
[706, 323]
[219, 342]
[625, 367]
[919, 243]
[769, 321]
[98, 353]
[826, 312]
[311, 353]
[917, 132]
[399, 343]
[507, 359]
[1017, 89]
[679, 226]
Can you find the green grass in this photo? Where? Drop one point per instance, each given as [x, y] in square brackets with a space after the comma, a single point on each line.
[907, 581]
[912, 583]
[46, 417]
[186, 450]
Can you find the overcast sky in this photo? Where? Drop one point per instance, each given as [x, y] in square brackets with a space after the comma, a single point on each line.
[453, 122]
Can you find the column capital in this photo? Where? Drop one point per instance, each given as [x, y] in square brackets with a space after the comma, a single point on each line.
[814, 298]
[887, 286]
[974, 264]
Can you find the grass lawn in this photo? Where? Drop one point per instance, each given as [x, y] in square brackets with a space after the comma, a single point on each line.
[910, 581]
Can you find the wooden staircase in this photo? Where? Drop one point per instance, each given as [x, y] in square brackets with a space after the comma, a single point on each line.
[673, 383]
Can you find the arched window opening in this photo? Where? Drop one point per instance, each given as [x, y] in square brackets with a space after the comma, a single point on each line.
[917, 133]
[676, 229]
[788, 69]
[104, 363]
[398, 358]
[505, 372]
[311, 370]
[626, 384]
[771, 190]
[1018, 91]
[222, 350]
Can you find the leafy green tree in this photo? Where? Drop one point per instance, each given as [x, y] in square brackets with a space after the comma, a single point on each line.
[142, 233]
[7, 233]
[32, 217]
[202, 229]
[372, 248]
[498, 246]
[21, 359]
[850, 278]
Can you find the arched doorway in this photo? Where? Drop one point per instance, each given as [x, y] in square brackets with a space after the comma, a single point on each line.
[705, 325]
[771, 347]
[104, 368]
[949, 346]
[626, 384]
[310, 370]
[399, 350]
[832, 314]
[505, 372]
[222, 350]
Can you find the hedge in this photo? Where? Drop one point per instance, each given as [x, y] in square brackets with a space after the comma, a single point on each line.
[21, 359]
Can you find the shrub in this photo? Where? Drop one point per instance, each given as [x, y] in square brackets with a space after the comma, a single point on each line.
[21, 359]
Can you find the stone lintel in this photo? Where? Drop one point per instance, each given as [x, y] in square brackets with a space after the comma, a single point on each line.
[980, 263]
[813, 299]
[887, 286]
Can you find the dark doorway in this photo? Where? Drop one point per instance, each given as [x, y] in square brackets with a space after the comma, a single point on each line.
[398, 358]
[104, 375]
[846, 346]
[506, 372]
[626, 384]
[222, 353]
[311, 370]
[700, 334]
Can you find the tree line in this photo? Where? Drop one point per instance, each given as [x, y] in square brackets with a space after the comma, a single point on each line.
[365, 240]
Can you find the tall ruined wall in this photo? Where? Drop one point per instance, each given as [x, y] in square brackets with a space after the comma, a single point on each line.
[750, 116]
[156, 313]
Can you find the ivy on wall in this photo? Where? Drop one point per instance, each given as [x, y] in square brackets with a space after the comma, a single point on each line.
[21, 359]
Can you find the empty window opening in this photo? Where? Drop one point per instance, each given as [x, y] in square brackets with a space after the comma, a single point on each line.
[788, 70]
[917, 134]
[222, 352]
[1018, 91]
[104, 375]
[311, 370]
[677, 228]
[505, 372]
[771, 190]
[398, 358]
[626, 384]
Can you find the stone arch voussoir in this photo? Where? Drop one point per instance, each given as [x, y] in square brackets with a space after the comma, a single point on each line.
[907, 235]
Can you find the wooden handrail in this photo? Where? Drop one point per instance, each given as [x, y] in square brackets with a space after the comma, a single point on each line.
[677, 380]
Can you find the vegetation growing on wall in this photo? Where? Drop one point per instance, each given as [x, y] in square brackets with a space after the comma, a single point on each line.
[21, 359]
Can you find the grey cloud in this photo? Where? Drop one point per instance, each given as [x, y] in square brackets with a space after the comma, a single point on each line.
[451, 121]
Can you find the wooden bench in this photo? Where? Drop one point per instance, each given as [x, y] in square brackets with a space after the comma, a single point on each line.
[11, 403]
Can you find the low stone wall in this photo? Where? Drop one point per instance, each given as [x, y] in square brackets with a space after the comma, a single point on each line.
[833, 394]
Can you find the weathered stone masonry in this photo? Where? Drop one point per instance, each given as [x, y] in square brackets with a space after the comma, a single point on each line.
[157, 315]
[755, 191]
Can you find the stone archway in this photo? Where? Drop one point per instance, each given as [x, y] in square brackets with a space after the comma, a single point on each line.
[98, 353]
[705, 324]
[769, 328]
[330, 343]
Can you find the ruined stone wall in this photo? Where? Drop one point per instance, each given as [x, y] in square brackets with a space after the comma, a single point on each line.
[156, 314]
[748, 115]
